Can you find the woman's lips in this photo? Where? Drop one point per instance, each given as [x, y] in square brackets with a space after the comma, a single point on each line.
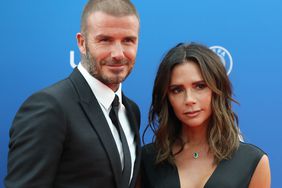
[192, 113]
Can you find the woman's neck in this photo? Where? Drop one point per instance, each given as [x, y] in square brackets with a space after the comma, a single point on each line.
[196, 136]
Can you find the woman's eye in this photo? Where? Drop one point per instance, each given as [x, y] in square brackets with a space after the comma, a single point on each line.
[201, 86]
[176, 90]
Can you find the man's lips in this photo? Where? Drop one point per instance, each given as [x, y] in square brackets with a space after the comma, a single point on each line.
[116, 67]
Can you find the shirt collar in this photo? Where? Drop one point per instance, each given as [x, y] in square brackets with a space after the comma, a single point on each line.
[103, 93]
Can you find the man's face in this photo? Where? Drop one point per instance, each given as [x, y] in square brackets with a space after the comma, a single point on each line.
[110, 47]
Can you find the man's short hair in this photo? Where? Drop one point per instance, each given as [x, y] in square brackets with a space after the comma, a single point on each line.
[111, 7]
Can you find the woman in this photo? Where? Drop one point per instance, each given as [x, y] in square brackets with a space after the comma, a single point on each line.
[196, 141]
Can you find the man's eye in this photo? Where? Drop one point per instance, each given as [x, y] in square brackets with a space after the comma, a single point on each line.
[104, 40]
[128, 40]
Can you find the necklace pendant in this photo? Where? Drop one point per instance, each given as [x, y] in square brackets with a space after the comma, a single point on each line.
[195, 155]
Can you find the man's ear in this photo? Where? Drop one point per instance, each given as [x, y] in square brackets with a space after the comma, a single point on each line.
[81, 43]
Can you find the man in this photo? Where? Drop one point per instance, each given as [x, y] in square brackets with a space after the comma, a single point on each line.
[64, 135]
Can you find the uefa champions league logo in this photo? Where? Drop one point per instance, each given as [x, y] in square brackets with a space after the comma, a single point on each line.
[72, 64]
[225, 57]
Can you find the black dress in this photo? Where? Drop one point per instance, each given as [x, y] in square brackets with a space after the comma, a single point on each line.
[233, 173]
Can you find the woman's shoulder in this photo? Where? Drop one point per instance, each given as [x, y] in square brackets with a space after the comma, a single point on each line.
[250, 149]
[247, 155]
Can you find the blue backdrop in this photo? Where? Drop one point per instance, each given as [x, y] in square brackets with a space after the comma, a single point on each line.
[37, 37]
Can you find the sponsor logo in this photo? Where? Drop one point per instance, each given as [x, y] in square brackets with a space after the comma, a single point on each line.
[225, 57]
[72, 63]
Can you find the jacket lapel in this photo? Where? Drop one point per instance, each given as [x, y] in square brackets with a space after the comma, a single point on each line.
[98, 121]
[134, 123]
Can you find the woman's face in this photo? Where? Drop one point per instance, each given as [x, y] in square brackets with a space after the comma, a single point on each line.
[189, 95]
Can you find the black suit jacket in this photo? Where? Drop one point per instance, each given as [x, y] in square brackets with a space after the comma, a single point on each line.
[60, 138]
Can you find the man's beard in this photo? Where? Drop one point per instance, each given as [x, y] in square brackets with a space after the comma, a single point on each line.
[91, 64]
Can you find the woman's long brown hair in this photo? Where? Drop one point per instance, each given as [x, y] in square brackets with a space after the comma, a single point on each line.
[222, 132]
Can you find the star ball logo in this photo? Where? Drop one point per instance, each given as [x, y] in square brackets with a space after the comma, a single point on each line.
[225, 57]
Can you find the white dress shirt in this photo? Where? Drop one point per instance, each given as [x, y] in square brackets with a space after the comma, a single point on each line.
[105, 97]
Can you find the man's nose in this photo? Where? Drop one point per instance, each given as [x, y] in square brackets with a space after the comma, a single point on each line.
[117, 51]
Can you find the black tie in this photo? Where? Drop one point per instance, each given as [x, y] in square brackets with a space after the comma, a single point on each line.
[126, 153]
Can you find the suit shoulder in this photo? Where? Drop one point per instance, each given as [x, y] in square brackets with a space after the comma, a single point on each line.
[60, 91]
[130, 101]
[148, 147]
[62, 87]
[133, 106]
[53, 96]
[149, 151]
